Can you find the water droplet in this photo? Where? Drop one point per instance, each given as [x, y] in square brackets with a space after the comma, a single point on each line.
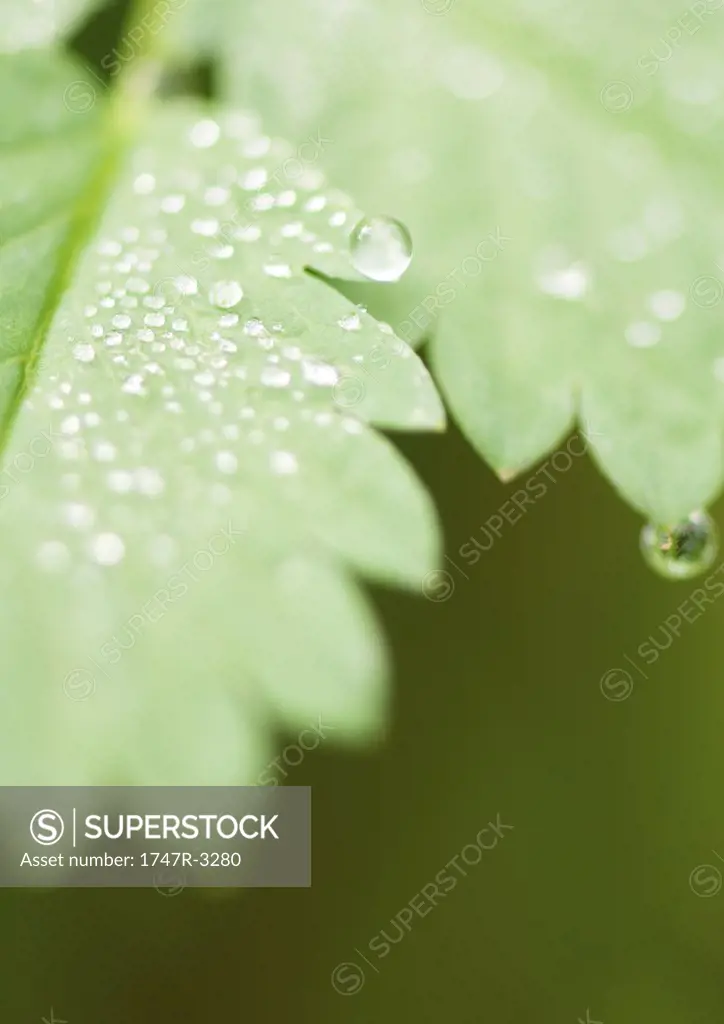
[569, 283]
[278, 269]
[144, 184]
[643, 334]
[283, 463]
[381, 248]
[205, 226]
[667, 305]
[255, 328]
[109, 248]
[70, 425]
[254, 179]
[187, 285]
[226, 462]
[105, 451]
[247, 233]
[205, 134]
[173, 203]
[274, 377]
[682, 551]
[221, 252]
[351, 322]
[217, 195]
[292, 230]
[120, 480]
[137, 285]
[84, 353]
[134, 385]
[226, 294]
[321, 374]
[108, 548]
[79, 516]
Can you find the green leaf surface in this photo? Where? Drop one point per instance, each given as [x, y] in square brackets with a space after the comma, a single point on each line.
[36, 209]
[561, 179]
[193, 478]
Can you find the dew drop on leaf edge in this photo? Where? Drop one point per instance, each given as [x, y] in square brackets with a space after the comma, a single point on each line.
[381, 248]
[682, 551]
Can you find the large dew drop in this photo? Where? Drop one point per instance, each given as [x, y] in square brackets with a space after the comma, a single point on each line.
[682, 551]
[381, 248]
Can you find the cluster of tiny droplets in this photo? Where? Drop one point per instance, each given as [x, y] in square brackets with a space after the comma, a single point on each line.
[185, 338]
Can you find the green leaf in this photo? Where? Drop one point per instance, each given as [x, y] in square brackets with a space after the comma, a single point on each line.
[192, 477]
[27, 24]
[37, 210]
[562, 183]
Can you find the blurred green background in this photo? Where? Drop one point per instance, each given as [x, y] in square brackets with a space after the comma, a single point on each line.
[585, 904]
[587, 910]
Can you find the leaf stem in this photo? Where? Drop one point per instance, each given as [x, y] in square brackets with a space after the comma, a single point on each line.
[127, 105]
